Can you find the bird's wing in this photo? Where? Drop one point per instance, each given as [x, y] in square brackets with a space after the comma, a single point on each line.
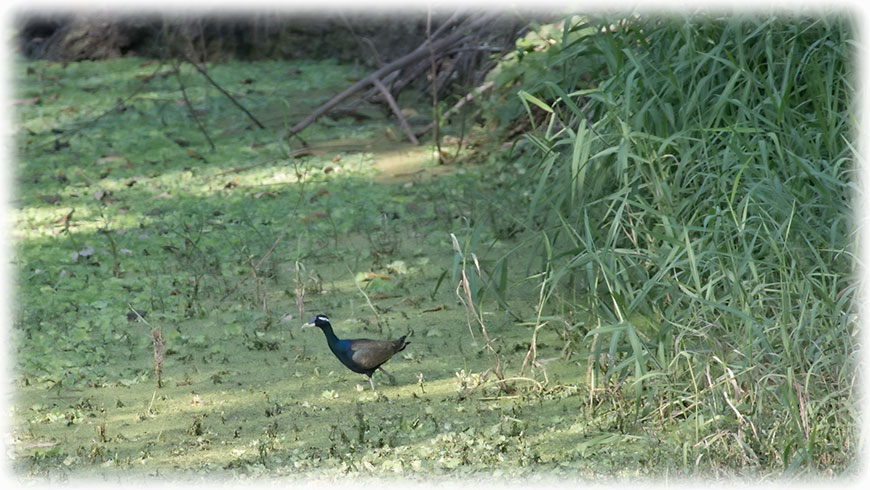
[371, 353]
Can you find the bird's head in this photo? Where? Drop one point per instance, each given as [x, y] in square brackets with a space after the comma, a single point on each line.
[318, 321]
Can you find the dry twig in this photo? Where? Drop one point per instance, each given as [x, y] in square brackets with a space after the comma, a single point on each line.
[189, 105]
[227, 94]
[418, 54]
[159, 351]
[395, 108]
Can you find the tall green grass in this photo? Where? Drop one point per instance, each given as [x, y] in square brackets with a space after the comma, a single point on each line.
[690, 193]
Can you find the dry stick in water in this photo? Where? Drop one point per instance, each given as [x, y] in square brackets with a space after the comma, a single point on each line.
[227, 94]
[259, 281]
[470, 311]
[116, 265]
[469, 306]
[159, 351]
[532, 354]
[366, 296]
[189, 105]
[395, 107]
[300, 289]
[464, 100]
[418, 54]
[434, 75]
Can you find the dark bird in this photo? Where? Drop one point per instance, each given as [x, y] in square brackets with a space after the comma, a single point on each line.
[360, 355]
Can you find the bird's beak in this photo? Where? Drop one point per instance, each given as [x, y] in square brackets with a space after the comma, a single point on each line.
[309, 324]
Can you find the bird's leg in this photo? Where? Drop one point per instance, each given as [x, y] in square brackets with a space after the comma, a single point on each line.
[372, 383]
[392, 379]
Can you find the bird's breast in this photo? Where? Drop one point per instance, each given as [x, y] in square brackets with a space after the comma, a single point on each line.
[344, 352]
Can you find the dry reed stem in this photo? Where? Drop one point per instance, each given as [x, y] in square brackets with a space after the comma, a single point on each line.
[159, 352]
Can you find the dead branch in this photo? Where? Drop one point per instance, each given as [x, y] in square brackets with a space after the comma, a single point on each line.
[464, 100]
[227, 94]
[189, 105]
[418, 54]
[434, 74]
[159, 351]
[396, 111]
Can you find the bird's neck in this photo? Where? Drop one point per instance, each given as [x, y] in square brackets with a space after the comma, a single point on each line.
[331, 339]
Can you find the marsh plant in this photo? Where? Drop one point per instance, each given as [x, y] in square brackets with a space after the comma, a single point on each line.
[692, 209]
